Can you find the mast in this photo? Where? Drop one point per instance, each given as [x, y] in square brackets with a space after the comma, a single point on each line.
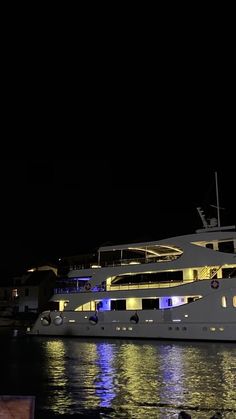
[214, 224]
[217, 201]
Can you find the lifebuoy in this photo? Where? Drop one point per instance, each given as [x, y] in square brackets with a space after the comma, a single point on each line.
[215, 284]
[88, 286]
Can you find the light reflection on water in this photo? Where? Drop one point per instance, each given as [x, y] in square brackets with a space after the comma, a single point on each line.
[141, 378]
[125, 379]
[57, 377]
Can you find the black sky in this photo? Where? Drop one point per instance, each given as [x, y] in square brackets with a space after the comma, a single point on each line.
[58, 207]
[135, 140]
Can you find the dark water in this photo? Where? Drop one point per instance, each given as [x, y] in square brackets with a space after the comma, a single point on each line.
[73, 377]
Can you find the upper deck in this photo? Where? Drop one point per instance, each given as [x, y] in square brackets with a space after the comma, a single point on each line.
[162, 251]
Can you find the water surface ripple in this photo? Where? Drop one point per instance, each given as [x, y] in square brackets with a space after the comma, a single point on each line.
[120, 378]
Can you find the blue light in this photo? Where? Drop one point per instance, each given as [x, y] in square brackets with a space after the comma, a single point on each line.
[81, 278]
[105, 388]
[104, 305]
[165, 302]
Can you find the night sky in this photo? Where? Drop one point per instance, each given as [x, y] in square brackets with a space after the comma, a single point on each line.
[53, 208]
[134, 150]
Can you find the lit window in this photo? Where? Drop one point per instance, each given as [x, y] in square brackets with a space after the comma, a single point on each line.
[123, 328]
[130, 328]
[117, 328]
[71, 321]
[224, 302]
[212, 329]
[234, 300]
[186, 315]
[221, 329]
[14, 293]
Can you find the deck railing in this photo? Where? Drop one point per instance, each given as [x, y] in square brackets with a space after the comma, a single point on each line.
[121, 262]
[125, 287]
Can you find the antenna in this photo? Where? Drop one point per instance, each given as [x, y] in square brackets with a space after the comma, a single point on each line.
[214, 224]
[217, 200]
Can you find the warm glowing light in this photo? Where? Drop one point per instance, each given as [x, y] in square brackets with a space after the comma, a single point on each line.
[158, 251]
[15, 293]
[62, 304]
[234, 300]
[224, 302]
[133, 304]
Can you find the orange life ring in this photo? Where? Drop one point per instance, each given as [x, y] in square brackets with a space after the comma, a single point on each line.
[215, 284]
[88, 286]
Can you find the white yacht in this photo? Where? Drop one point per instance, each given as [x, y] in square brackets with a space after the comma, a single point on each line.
[178, 288]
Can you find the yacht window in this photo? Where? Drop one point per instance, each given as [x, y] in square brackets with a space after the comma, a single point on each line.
[169, 302]
[151, 277]
[191, 299]
[118, 304]
[209, 245]
[228, 272]
[195, 274]
[150, 303]
[224, 302]
[226, 247]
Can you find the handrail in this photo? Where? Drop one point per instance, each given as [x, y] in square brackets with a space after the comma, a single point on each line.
[120, 262]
